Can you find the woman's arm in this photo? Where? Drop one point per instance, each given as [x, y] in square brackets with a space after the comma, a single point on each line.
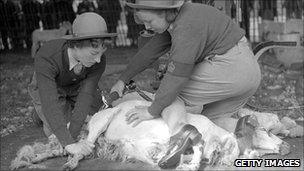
[153, 49]
[85, 97]
[188, 42]
[52, 109]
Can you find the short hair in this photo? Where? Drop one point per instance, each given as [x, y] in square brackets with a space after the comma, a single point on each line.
[80, 43]
[106, 41]
[171, 14]
[76, 43]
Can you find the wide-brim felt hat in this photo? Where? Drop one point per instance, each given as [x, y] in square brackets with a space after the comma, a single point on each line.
[155, 4]
[87, 26]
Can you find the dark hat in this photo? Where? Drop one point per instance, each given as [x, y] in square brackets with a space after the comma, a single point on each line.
[89, 25]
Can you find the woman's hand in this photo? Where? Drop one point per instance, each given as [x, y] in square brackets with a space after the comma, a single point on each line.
[82, 147]
[137, 115]
[119, 87]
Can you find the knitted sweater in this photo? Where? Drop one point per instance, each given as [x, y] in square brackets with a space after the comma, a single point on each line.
[199, 31]
[52, 70]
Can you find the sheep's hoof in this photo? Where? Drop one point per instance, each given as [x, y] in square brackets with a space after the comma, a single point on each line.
[67, 167]
[70, 165]
[72, 162]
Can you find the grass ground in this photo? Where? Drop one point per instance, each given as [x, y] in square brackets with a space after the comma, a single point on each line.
[281, 92]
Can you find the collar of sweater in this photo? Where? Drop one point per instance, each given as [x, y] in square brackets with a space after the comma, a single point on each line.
[72, 61]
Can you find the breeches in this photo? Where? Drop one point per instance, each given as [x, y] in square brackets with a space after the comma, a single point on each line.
[222, 84]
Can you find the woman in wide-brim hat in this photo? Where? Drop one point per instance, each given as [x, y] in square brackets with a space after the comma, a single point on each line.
[210, 65]
[87, 27]
[65, 82]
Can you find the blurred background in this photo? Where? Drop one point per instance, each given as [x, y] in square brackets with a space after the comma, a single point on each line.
[262, 19]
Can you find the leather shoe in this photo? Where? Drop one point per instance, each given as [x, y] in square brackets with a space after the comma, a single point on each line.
[187, 137]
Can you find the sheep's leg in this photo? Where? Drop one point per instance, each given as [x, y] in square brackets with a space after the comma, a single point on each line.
[72, 162]
[197, 155]
[97, 125]
[24, 160]
[263, 140]
[49, 154]
[230, 150]
[212, 150]
[284, 147]
[30, 155]
[100, 122]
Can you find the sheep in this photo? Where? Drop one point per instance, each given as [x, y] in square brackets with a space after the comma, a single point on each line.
[148, 142]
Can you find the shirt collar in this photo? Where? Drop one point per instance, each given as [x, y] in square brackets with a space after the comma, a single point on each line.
[72, 61]
[170, 28]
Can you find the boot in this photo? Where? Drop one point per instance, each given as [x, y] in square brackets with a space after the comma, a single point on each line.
[187, 137]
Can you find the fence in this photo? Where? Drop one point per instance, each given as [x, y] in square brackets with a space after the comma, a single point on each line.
[279, 11]
[18, 18]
